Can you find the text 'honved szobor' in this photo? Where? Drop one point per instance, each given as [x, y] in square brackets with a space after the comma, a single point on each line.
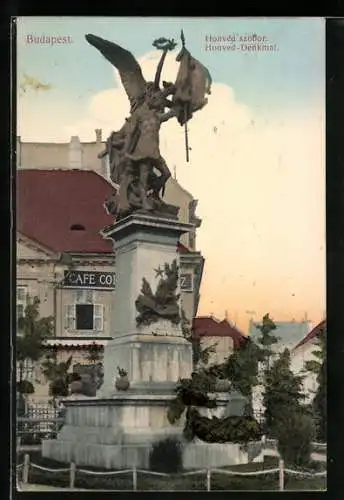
[235, 42]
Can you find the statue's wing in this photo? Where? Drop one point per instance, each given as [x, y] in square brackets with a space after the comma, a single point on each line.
[126, 64]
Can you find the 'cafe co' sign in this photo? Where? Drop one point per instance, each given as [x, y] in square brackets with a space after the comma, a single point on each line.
[95, 279]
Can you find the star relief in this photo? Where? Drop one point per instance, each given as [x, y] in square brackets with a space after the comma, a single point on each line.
[159, 273]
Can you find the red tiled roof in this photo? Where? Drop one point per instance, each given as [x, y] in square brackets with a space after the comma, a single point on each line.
[49, 202]
[312, 334]
[207, 326]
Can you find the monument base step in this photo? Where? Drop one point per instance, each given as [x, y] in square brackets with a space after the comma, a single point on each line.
[196, 455]
[120, 432]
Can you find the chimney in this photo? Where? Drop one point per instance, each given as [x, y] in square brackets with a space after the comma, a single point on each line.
[98, 132]
[18, 151]
[75, 153]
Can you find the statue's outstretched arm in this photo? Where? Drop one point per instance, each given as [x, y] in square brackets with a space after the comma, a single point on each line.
[166, 116]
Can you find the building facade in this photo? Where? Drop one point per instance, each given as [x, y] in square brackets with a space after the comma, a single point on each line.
[222, 335]
[303, 352]
[61, 256]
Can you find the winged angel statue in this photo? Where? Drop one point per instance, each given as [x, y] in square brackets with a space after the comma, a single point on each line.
[136, 164]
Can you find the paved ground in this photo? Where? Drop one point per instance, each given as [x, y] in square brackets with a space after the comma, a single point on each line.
[317, 457]
[42, 487]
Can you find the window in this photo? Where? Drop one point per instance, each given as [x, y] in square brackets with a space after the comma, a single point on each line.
[77, 227]
[84, 314]
[28, 373]
[21, 294]
[21, 301]
[28, 370]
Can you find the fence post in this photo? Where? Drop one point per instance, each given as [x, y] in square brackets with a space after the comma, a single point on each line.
[134, 478]
[72, 475]
[208, 480]
[281, 475]
[26, 468]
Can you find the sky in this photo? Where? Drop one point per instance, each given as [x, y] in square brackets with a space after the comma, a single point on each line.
[257, 159]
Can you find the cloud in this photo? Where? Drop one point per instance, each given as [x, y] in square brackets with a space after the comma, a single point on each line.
[260, 185]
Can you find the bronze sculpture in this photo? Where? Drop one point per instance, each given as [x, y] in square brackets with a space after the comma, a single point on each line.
[163, 304]
[134, 153]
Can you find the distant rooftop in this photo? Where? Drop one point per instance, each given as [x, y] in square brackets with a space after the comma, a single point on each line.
[312, 335]
[288, 333]
[209, 326]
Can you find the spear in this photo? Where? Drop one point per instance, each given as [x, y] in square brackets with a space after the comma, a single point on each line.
[182, 37]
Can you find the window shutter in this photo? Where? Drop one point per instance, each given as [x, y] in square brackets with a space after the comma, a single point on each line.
[70, 317]
[98, 312]
[20, 311]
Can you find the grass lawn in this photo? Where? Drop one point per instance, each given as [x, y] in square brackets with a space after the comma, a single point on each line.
[124, 482]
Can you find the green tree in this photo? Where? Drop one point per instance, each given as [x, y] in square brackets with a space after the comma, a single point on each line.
[267, 340]
[283, 392]
[320, 403]
[286, 416]
[318, 367]
[199, 354]
[32, 332]
[95, 357]
[242, 368]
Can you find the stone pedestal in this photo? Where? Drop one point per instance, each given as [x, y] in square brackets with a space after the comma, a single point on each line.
[154, 356]
[118, 428]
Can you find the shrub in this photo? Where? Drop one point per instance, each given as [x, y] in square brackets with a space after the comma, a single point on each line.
[25, 387]
[295, 433]
[166, 456]
[59, 387]
[222, 430]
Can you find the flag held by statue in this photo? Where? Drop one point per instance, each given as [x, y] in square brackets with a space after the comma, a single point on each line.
[192, 84]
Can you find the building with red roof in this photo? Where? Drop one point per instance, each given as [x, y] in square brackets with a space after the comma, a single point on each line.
[63, 209]
[223, 334]
[311, 337]
[303, 352]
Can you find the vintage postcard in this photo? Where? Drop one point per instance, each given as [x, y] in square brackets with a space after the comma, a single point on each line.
[171, 322]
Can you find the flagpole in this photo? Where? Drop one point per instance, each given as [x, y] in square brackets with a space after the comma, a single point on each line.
[182, 37]
[186, 132]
